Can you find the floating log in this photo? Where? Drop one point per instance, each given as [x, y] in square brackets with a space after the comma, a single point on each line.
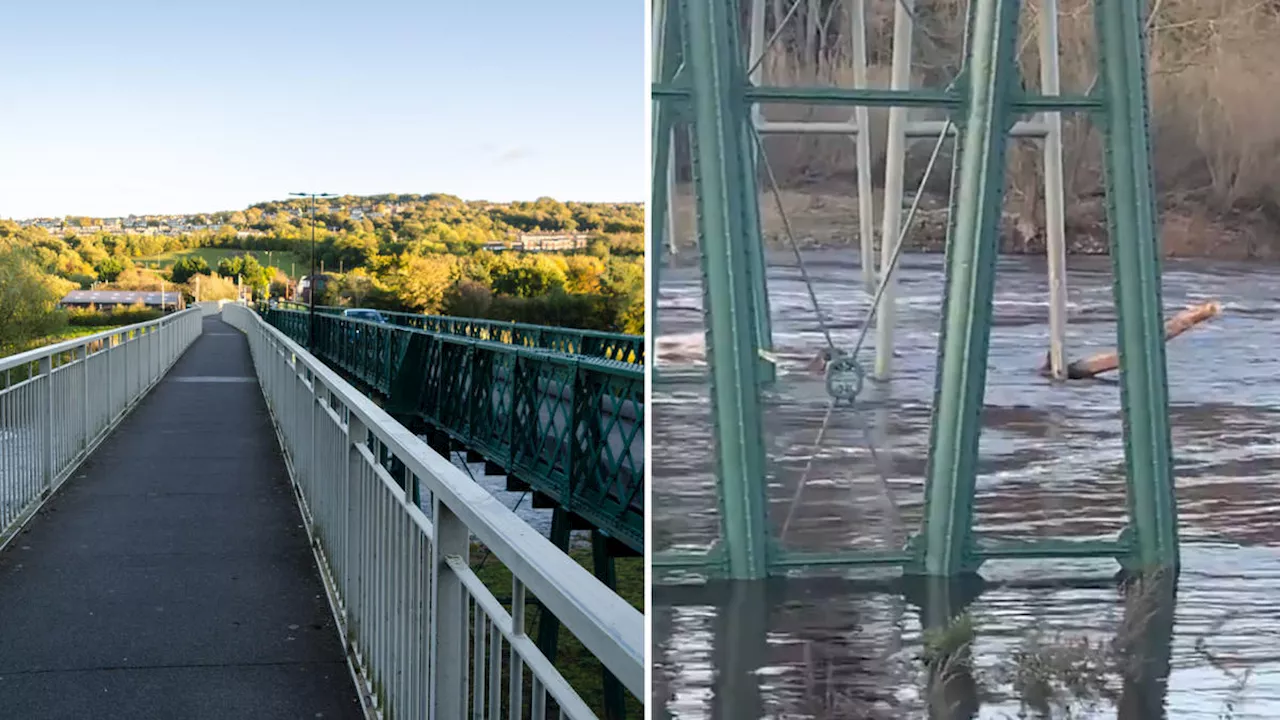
[1095, 365]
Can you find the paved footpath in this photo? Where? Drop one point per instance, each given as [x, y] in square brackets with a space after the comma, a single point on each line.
[171, 578]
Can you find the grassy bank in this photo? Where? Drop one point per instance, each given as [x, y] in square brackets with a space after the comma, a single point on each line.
[578, 666]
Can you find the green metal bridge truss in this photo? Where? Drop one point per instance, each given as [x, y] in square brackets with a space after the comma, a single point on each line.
[568, 427]
[609, 346]
[702, 84]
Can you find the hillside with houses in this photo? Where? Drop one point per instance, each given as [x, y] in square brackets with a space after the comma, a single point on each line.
[519, 224]
[559, 263]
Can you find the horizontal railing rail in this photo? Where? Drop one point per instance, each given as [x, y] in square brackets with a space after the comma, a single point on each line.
[59, 401]
[569, 426]
[427, 638]
[619, 347]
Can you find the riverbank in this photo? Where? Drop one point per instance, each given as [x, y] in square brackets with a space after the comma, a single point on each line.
[828, 217]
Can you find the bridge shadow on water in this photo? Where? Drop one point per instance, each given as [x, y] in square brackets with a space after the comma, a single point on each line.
[837, 648]
[1014, 646]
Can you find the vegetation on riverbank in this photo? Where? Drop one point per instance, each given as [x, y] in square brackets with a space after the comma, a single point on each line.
[1215, 136]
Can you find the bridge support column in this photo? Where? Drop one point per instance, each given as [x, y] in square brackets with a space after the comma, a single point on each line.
[605, 568]
[972, 248]
[1135, 257]
[941, 602]
[718, 81]
[548, 624]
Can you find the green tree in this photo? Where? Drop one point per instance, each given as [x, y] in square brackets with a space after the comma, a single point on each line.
[468, 298]
[110, 267]
[420, 281]
[189, 266]
[622, 291]
[28, 299]
[583, 273]
[248, 270]
[526, 276]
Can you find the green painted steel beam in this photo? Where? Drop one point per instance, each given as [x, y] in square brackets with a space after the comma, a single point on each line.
[688, 559]
[1135, 257]
[972, 250]
[752, 245]
[1048, 548]
[802, 559]
[872, 97]
[717, 78]
[664, 37]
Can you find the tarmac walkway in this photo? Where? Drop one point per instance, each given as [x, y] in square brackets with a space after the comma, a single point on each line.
[171, 577]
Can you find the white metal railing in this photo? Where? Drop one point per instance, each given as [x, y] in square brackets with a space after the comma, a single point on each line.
[58, 402]
[210, 307]
[424, 634]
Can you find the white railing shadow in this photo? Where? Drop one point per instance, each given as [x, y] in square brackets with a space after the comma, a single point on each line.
[425, 637]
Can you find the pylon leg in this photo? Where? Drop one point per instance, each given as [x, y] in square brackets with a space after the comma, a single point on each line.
[972, 249]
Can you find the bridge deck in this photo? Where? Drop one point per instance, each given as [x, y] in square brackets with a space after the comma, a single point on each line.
[171, 576]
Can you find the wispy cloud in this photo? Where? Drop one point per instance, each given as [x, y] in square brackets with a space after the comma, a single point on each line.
[513, 155]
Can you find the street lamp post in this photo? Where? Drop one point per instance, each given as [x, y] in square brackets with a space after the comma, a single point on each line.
[311, 287]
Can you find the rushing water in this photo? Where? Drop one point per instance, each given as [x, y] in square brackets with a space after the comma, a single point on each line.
[1052, 466]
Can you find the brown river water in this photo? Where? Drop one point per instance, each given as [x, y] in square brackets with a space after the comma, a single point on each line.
[830, 646]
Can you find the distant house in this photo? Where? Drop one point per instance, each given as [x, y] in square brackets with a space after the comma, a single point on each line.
[121, 298]
[303, 291]
[545, 242]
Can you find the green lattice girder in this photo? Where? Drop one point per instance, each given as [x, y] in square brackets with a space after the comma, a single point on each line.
[570, 426]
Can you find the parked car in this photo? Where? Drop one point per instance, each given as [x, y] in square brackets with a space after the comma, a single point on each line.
[364, 314]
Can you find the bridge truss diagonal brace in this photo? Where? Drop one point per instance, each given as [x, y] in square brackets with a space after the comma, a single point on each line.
[972, 250]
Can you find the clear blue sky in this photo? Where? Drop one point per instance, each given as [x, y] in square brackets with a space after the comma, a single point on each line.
[151, 106]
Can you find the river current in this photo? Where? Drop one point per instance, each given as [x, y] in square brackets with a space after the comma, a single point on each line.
[1052, 466]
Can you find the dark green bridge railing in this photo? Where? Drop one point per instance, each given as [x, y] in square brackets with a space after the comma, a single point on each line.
[570, 426]
[609, 346]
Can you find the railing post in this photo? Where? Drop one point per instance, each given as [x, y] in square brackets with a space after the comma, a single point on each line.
[141, 360]
[317, 388]
[448, 669]
[83, 352]
[357, 436]
[151, 355]
[111, 377]
[46, 369]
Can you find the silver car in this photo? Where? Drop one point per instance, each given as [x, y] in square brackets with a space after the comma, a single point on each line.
[364, 314]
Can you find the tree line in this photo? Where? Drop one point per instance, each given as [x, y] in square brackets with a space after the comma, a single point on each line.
[409, 253]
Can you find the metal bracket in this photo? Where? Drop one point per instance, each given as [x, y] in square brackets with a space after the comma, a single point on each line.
[844, 377]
